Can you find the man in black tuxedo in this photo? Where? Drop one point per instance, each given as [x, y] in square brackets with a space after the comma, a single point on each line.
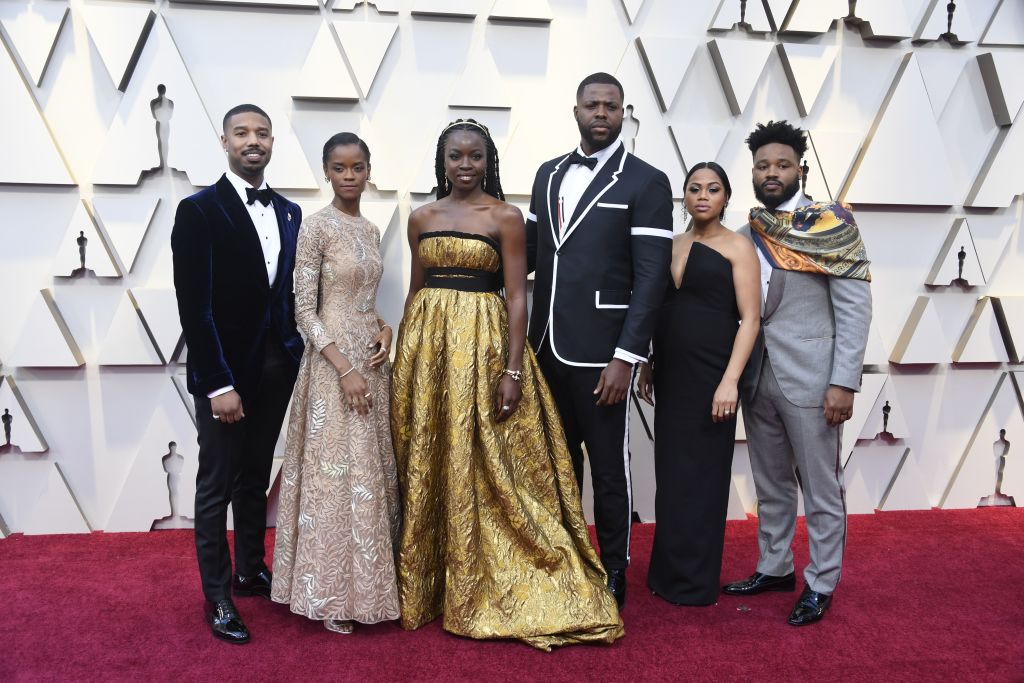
[234, 249]
[599, 238]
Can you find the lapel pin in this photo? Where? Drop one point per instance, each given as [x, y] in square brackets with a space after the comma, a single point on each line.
[289, 216]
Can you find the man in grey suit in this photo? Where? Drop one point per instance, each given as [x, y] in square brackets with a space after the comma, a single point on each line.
[803, 373]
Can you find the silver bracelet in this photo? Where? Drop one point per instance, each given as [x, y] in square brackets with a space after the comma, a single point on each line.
[342, 375]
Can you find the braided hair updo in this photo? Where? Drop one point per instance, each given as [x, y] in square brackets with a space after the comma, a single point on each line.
[492, 180]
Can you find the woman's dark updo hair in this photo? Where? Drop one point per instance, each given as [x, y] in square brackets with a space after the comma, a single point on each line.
[341, 139]
[492, 180]
[717, 170]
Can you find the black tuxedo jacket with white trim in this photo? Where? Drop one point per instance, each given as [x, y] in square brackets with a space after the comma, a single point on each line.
[598, 287]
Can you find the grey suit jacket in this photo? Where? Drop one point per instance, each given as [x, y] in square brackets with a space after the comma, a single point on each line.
[815, 330]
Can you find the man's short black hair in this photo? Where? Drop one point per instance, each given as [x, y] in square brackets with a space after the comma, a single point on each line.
[781, 132]
[600, 78]
[242, 109]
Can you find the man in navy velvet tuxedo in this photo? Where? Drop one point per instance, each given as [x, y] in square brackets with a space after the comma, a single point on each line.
[234, 249]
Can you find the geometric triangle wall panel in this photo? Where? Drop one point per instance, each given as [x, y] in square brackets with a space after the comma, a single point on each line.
[814, 17]
[982, 339]
[481, 85]
[922, 339]
[145, 493]
[908, 489]
[739, 64]
[131, 146]
[1001, 180]
[521, 10]
[1010, 309]
[324, 76]
[957, 260]
[632, 8]
[128, 341]
[30, 154]
[863, 403]
[35, 499]
[887, 19]
[365, 45]
[885, 417]
[991, 235]
[20, 431]
[807, 66]
[980, 480]
[1003, 74]
[45, 339]
[158, 310]
[118, 32]
[33, 28]
[125, 219]
[905, 161]
[1007, 26]
[448, 8]
[667, 60]
[966, 26]
[867, 474]
[940, 70]
[83, 250]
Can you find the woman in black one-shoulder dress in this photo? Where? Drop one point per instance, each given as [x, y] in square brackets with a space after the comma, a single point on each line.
[705, 332]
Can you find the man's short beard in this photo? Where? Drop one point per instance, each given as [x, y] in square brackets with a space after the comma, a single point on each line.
[595, 146]
[788, 192]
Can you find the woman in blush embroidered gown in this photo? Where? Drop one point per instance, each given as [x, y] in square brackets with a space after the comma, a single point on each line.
[493, 536]
[338, 512]
[705, 333]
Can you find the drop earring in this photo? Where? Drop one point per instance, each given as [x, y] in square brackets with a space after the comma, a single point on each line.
[485, 183]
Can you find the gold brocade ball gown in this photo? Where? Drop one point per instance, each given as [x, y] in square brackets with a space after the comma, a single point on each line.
[493, 535]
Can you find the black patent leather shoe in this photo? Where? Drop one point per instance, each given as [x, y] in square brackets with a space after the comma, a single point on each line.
[761, 583]
[617, 585]
[258, 584]
[810, 607]
[225, 623]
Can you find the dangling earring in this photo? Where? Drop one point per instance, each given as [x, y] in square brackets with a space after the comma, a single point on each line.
[485, 183]
[447, 184]
[327, 179]
[686, 214]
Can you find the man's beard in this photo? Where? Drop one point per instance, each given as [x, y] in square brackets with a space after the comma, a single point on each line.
[598, 145]
[788, 191]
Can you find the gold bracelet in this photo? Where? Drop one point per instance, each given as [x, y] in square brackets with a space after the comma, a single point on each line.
[516, 375]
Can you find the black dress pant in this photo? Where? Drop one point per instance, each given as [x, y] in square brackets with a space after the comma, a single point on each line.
[605, 431]
[234, 467]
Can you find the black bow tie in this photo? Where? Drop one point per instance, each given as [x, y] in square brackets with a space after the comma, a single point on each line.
[262, 196]
[577, 158]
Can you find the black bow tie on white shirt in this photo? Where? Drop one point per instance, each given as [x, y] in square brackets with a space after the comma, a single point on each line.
[262, 196]
[589, 162]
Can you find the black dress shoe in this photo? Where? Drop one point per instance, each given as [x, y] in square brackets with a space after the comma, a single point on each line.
[225, 623]
[809, 608]
[258, 584]
[760, 583]
[617, 585]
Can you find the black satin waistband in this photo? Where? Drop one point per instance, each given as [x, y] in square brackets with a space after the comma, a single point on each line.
[463, 279]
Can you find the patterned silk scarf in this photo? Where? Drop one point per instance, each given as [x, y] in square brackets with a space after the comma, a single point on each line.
[818, 238]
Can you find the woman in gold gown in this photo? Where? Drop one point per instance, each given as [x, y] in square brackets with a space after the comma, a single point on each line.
[493, 536]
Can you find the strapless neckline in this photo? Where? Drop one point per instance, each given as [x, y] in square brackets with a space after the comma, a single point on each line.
[464, 235]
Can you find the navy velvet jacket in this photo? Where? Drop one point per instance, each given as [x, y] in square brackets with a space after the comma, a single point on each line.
[225, 301]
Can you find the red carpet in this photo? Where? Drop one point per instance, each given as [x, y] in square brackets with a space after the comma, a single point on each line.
[925, 596]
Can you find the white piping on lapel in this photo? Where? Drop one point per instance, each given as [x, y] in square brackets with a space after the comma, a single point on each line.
[615, 179]
[552, 218]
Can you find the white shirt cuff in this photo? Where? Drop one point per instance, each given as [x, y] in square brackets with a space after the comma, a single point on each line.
[222, 390]
[631, 358]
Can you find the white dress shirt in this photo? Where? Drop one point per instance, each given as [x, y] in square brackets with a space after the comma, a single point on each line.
[264, 219]
[790, 204]
[576, 181]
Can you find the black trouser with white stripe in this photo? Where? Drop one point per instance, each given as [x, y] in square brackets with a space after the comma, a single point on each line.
[605, 431]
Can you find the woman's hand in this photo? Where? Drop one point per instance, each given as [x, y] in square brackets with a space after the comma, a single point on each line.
[383, 343]
[723, 405]
[506, 398]
[357, 392]
[645, 383]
